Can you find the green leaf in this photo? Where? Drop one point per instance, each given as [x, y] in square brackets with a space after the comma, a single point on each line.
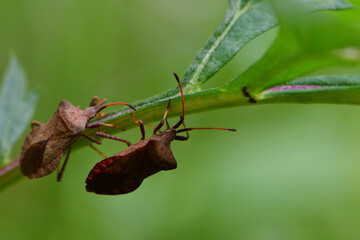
[339, 89]
[16, 108]
[313, 5]
[338, 80]
[306, 42]
[243, 21]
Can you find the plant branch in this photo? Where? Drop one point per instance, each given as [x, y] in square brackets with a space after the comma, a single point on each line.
[298, 50]
[216, 99]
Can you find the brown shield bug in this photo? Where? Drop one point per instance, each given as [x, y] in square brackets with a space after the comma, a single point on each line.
[45, 145]
[125, 171]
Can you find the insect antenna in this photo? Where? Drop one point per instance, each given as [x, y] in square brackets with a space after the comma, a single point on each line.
[205, 128]
[183, 138]
[97, 104]
[100, 108]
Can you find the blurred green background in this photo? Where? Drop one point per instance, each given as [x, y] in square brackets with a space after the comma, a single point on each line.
[290, 172]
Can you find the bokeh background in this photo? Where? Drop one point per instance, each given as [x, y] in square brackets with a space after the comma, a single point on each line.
[290, 172]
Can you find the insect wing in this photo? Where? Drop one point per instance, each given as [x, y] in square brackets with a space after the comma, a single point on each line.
[48, 168]
[32, 158]
[112, 176]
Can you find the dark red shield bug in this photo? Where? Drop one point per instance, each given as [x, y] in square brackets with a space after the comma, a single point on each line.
[45, 145]
[125, 171]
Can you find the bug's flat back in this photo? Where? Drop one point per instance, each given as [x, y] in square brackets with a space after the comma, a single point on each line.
[31, 160]
[45, 145]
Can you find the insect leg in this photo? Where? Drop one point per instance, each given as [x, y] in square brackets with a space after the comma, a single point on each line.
[91, 138]
[152, 127]
[104, 135]
[181, 137]
[97, 150]
[164, 117]
[178, 124]
[110, 125]
[141, 124]
[61, 172]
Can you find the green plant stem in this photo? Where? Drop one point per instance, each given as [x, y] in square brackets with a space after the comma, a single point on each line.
[205, 101]
[194, 103]
[10, 174]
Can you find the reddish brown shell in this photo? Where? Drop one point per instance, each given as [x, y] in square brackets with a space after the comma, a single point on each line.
[125, 171]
